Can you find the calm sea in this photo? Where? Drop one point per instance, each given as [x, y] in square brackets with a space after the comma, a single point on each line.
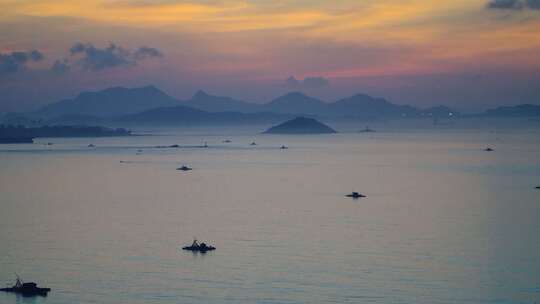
[444, 221]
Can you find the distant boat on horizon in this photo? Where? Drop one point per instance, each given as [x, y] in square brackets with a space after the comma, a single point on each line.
[367, 129]
[355, 195]
[184, 168]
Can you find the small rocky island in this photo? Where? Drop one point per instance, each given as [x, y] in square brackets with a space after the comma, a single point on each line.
[21, 134]
[301, 125]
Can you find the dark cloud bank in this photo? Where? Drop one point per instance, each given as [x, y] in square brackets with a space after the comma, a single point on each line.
[95, 59]
[85, 56]
[514, 4]
[16, 61]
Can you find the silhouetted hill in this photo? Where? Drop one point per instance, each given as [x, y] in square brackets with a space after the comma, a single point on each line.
[357, 106]
[364, 106]
[210, 103]
[76, 119]
[182, 115]
[109, 102]
[166, 115]
[20, 119]
[297, 103]
[524, 110]
[20, 134]
[300, 125]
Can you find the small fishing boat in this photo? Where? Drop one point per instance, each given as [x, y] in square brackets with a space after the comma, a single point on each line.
[28, 289]
[196, 247]
[355, 195]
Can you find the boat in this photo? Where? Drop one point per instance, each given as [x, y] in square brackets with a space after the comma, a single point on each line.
[537, 187]
[226, 141]
[184, 168]
[284, 147]
[253, 144]
[28, 289]
[196, 247]
[366, 130]
[355, 195]
[91, 146]
[488, 149]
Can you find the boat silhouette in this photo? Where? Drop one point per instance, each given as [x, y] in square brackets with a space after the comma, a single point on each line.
[28, 289]
[184, 168]
[355, 195]
[366, 130]
[196, 247]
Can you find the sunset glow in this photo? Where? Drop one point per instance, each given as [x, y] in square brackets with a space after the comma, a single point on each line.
[263, 42]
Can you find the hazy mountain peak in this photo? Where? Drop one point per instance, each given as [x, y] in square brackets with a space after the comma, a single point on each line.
[110, 102]
[212, 103]
[295, 94]
[365, 106]
[360, 97]
[296, 103]
[200, 94]
[522, 110]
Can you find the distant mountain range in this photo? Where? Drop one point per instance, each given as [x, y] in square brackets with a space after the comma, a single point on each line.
[183, 115]
[109, 103]
[524, 110]
[296, 103]
[150, 105]
[210, 103]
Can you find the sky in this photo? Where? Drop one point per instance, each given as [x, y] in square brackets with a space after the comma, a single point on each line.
[467, 54]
